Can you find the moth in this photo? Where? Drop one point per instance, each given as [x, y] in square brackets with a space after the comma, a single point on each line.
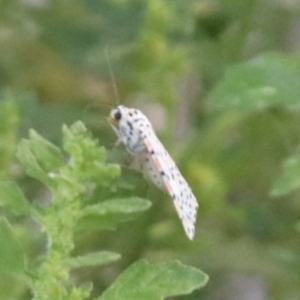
[150, 157]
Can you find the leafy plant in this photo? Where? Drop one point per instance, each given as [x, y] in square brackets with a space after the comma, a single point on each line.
[73, 209]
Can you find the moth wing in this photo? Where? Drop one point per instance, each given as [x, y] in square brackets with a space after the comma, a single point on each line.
[184, 201]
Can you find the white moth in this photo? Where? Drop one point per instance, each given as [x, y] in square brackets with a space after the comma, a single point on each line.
[135, 131]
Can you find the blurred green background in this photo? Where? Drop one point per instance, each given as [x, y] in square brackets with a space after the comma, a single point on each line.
[219, 80]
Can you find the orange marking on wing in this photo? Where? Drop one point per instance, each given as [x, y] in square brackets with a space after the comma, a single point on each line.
[157, 163]
[147, 143]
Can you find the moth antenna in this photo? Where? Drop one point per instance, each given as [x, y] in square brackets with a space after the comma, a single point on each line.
[112, 76]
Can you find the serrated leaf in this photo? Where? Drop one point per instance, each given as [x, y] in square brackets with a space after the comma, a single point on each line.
[289, 180]
[155, 281]
[81, 292]
[48, 155]
[11, 196]
[11, 254]
[123, 205]
[76, 129]
[85, 151]
[39, 157]
[29, 162]
[265, 81]
[92, 259]
[108, 214]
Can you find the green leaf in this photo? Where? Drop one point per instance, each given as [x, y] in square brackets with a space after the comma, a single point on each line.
[290, 177]
[108, 214]
[78, 142]
[155, 281]
[92, 259]
[81, 292]
[265, 81]
[11, 254]
[29, 162]
[48, 155]
[39, 157]
[88, 160]
[11, 196]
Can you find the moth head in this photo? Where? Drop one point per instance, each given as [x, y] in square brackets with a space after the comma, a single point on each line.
[116, 115]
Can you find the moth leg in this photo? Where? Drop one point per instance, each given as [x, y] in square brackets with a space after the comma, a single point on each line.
[117, 142]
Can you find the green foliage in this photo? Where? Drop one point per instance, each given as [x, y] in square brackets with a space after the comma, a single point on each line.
[266, 81]
[289, 180]
[108, 214]
[220, 79]
[12, 197]
[262, 98]
[9, 116]
[68, 182]
[155, 281]
[91, 259]
[11, 254]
